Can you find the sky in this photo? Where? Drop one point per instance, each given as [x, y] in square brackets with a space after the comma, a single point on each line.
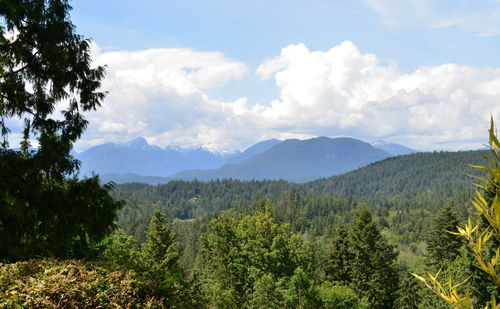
[227, 74]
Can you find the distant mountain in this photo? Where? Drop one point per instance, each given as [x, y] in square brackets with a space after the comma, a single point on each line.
[393, 148]
[128, 178]
[297, 161]
[254, 150]
[138, 157]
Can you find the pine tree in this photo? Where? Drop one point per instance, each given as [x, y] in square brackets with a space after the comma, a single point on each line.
[373, 270]
[160, 251]
[339, 258]
[443, 247]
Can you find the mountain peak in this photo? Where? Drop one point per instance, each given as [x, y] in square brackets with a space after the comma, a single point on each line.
[139, 142]
[393, 148]
[295, 160]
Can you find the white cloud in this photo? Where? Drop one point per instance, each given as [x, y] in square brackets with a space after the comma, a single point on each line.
[111, 127]
[345, 91]
[161, 94]
[482, 18]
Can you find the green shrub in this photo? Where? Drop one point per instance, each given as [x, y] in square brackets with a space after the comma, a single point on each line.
[49, 283]
[338, 297]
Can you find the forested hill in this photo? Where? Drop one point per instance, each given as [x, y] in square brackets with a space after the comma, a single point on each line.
[416, 176]
[418, 181]
[419, 176]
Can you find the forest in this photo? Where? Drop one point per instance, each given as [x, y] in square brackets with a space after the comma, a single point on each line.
[382, 236]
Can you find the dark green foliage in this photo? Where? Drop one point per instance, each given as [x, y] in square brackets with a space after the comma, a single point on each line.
[420, 176]
[373, 267]
[43, 62]
[49, 217]
[405, 193]
[409, 293]
[314, 214]
[156, 263]
[46, 54]
[443, 247]
[340, 258]
[160, 251]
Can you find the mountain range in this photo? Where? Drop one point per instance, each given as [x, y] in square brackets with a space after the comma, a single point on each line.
[293, 160]
[297, 161]
[138, 157]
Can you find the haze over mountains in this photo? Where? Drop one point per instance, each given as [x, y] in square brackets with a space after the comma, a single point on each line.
[138, 157]
[292, 160]
[297, 161]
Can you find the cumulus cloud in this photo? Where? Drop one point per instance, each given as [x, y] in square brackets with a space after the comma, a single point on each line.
[161, 94]
[344, 90]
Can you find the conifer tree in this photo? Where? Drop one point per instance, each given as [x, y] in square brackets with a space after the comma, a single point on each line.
[160, 250]
[481, 240]
[44, 64]
[339, 258]
[443, 247]
[409, 291]
[373, 271]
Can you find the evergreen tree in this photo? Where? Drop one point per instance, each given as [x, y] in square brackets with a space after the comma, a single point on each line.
[466, 267]
[340, 258]
[409, 291]
[160, 251]
[121, 249]
[45, 63]
[480, 240]
[443, 247]
[373, 267]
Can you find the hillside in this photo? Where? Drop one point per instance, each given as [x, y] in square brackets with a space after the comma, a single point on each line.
[418, 175]
[422, 182]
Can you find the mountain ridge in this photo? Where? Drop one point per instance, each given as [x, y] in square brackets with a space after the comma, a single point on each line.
[297, 161]
[292, 160]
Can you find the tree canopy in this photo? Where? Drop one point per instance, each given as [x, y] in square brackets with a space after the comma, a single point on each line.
[45, 65]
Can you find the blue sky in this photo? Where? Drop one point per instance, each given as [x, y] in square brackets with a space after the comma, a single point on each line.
[421, 73]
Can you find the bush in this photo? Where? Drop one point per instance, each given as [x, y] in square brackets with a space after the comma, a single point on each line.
[78, 284]
[338, 297]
